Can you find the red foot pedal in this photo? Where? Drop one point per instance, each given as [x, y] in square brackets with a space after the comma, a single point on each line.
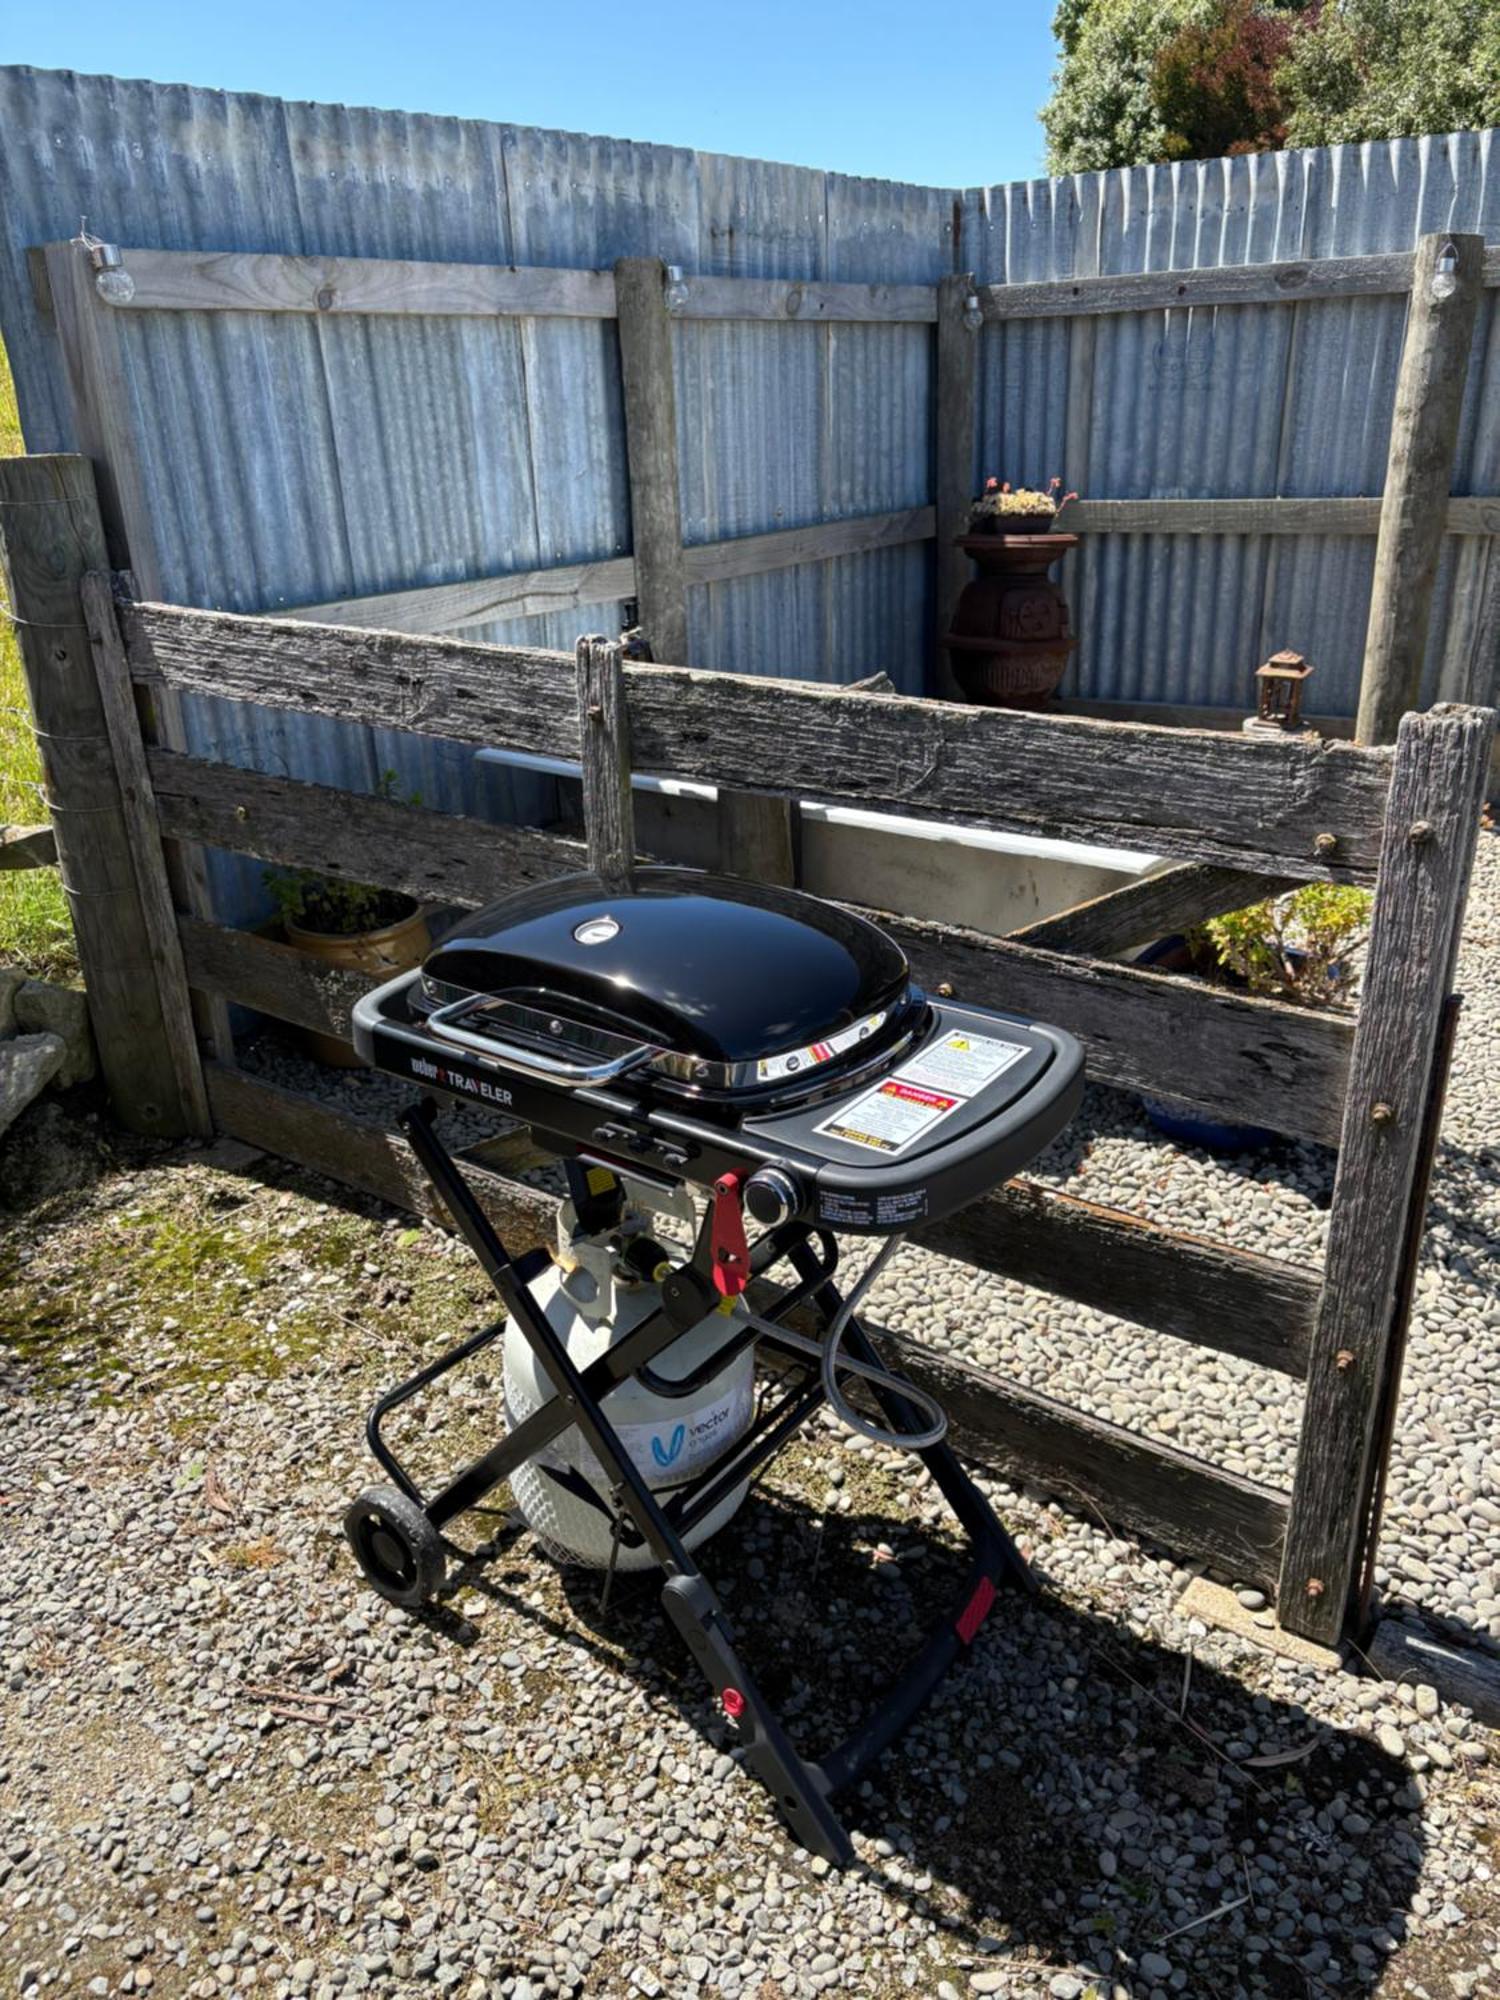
[975, 1611]
[731, 1252]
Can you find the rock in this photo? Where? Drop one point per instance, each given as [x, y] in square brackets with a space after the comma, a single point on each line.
[1390, 1739]
[1252, 1600]
[1065, 1986]
[1154, 1966]
[11, 983]
[1427, 1701]
[987, 1982]
[62, 1011]
[28, 1063]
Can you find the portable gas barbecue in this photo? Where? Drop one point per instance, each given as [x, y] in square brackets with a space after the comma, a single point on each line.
[771, 1052]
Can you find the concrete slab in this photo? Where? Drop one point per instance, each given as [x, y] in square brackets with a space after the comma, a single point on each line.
[1218, 1606]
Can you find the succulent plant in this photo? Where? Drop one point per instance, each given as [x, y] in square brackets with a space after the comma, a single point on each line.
[1000, 499]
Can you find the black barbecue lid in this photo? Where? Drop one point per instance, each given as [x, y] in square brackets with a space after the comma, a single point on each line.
[700, 964]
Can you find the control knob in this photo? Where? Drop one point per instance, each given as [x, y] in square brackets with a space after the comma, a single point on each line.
[772, 1196]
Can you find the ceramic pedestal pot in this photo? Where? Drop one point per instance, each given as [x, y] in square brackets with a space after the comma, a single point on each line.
[1010, 638]
[381, 954]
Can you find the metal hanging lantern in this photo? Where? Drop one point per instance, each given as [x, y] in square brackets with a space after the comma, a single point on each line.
[1279, 683]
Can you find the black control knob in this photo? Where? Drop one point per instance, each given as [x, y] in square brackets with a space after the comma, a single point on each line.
[772, 1196]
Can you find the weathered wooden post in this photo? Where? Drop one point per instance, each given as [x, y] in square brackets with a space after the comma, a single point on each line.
[651, 450]
[608, 802]
[52, 536]
[755, 828]
[955, 417]
[1446, 284]
[1427, 853]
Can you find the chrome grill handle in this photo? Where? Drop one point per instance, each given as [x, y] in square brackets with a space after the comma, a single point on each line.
[532, 1062]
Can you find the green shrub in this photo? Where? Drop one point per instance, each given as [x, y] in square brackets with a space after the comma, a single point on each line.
[1293, 947]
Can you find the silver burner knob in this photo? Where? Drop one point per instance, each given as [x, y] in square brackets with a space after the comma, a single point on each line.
[772, 1196]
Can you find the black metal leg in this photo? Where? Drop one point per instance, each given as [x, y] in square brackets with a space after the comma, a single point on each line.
[802, 1789]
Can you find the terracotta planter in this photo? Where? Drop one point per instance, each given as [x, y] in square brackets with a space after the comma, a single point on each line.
[382, 954]
[1010, 637]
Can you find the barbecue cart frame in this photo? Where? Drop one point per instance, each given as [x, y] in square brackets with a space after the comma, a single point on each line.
[803, 1789]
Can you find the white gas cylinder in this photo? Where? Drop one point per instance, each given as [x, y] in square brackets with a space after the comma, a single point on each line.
[671, 1440]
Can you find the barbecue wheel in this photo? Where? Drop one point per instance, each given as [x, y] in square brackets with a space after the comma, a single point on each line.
[397, 1547]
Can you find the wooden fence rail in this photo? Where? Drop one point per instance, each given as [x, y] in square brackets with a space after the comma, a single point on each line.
[660, 571]
[1242, 813]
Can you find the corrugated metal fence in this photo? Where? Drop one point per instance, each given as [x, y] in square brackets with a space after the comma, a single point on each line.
[293, 458]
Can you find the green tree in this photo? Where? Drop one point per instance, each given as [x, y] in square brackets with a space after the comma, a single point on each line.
[1102, 111]
[1389, 69]
[1216, 83]
[1143, 80]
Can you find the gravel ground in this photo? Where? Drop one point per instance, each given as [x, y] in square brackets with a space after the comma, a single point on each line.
[225, 1765]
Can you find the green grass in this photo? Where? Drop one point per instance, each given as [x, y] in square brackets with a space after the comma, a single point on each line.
[35, 932]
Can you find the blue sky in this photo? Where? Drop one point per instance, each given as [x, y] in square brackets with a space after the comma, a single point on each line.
[909, 92]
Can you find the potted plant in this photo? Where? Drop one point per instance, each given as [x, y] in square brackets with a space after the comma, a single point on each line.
[1297, 947]
[1010, 637]
[1003, 509]
[352, 925]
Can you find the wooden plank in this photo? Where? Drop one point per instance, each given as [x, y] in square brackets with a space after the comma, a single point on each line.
[650, 391]
[99, 404]
[805, 300]
[436, 857]
[1256, 1061]
[364, 1155]
[1101, 1470]
[250, 281]
[1079, 412]
[1412, 1655]
[1419, 469]
[757, 837]
[1204, 795]
[1184, 715]
[511, 698]
[52, 536]
[102, 409]
[1431, 830]
[955, 424]
[821, 541]
[273, 978]
[143, 835]
[608, 802]
[24, 847]
[247, 281]
[1471, 630]
[1204, 285]
[446, 607]
[1155, 906]
[1243, 801]
[1477, 514]
[1384, 1425]
[1259, 1308]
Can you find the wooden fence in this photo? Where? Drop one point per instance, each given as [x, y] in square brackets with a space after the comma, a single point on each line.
[642, 298]
[1237, 813]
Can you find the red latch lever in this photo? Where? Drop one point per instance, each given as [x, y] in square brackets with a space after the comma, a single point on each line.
[731, 1253]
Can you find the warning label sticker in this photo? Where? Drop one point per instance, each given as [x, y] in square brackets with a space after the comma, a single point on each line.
[890, 1116]
[961, 1063]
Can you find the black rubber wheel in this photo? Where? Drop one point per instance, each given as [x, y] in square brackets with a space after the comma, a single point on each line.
[396, 1546]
